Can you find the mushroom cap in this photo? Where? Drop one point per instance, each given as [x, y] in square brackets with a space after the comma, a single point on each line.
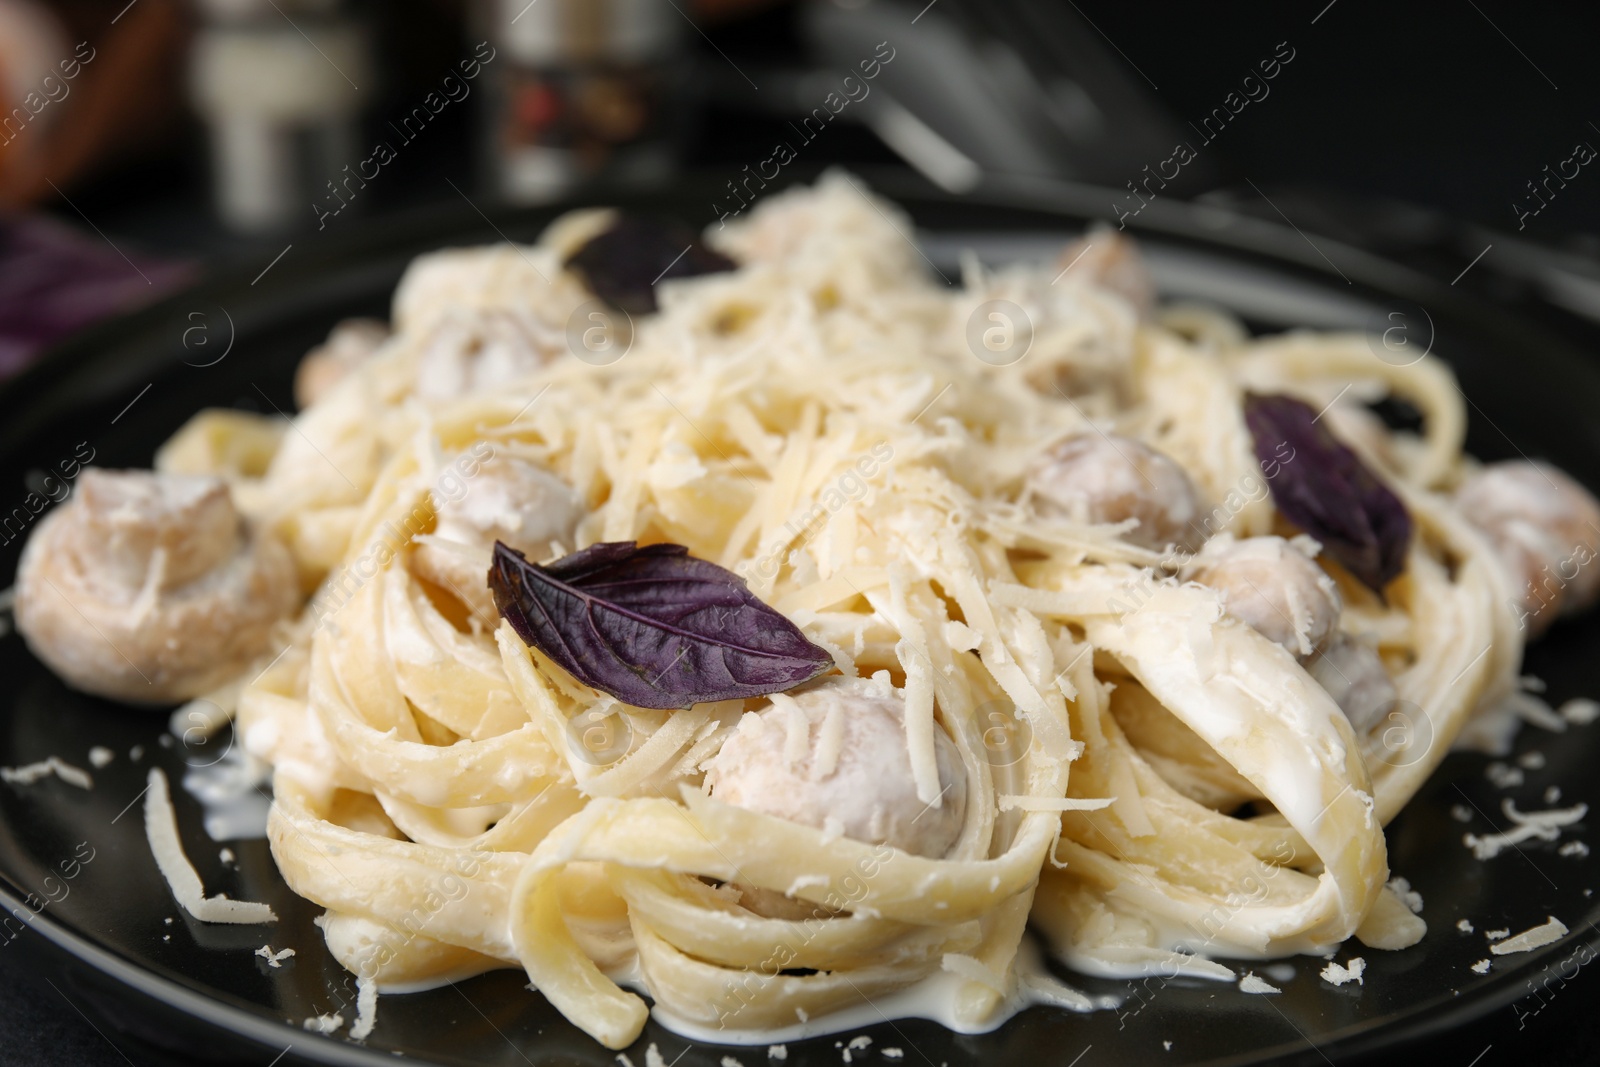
[509, 499]
[852, 774]
[1107, 260]
[469, 353]
[147, 588]
[1104, 478]
[125, 518]
[325, 366]
[1354, 675]
[1270, 585]
[1545, 527]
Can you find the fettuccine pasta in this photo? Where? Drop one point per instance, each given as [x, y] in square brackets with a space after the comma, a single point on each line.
[1142, 780]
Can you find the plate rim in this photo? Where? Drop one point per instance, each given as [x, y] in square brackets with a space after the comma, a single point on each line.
[1065, 203]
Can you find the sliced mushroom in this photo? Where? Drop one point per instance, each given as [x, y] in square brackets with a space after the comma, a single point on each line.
[500, 498]
[470, 352]
[1104, 478]
[1545, 528]
[1270, 585]
[149, 587]
[1107, 260]
[1278, 590]
[1354, 675]
[835, 757]
[348, 344]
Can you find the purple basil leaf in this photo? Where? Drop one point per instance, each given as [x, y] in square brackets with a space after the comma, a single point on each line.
[55, 280]
[623, 264]
[653, 626]
[1322, 487]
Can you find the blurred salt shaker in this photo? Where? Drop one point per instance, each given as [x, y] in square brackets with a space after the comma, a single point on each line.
[583, 89]
[280, 87]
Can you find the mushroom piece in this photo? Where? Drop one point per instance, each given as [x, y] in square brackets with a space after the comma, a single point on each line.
[1109, 261]
[1354, 675]
[835, 757]
[498, 498]
[149, 588]
[1273, 587]
[348, 344]
[1104, 478]
[1545, 528]
[1278, 590]
[471, 352]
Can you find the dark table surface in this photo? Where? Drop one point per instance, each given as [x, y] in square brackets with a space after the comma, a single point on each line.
[161, 211]
[1556, 1025]
[38, 1026]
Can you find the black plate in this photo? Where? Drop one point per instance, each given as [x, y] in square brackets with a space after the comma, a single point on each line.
[120, 949]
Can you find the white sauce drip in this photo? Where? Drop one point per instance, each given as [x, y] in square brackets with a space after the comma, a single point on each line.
[236, 810]
[933, 998]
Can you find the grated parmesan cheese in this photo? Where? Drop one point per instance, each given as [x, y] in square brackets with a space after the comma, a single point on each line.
[1401, 888]
[1461, 813]
[1464, 925]
[1495, 935]
[781, 1052]
[1544, 825]
[1503, 775]
[324, 1024]
[652, 1056]
[961, 637]
[1581, 711]
[32, 772]
[1334, 974]
[1251, 984]
[366, 1008]
[1548, 932]
[829, 745]
[274, 959]
[729, 1061]
[1482, 966]
[1573, 848]
[797, 733]
[161, 828]
[1536, 711]
[892, 1053]
[100, 755]
[1010, 802]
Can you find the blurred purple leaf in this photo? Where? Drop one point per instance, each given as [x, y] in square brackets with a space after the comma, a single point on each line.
[54, 281]
[1327, 491]
[622, 264]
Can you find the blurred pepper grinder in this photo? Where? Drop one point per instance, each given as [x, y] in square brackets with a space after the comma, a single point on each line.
[281, 85]
[586, 89]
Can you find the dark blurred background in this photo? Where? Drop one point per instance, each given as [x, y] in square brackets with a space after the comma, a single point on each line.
[146, 143]
[169, 136]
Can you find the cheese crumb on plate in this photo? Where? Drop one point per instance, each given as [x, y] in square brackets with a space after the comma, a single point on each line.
[1350, 972]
